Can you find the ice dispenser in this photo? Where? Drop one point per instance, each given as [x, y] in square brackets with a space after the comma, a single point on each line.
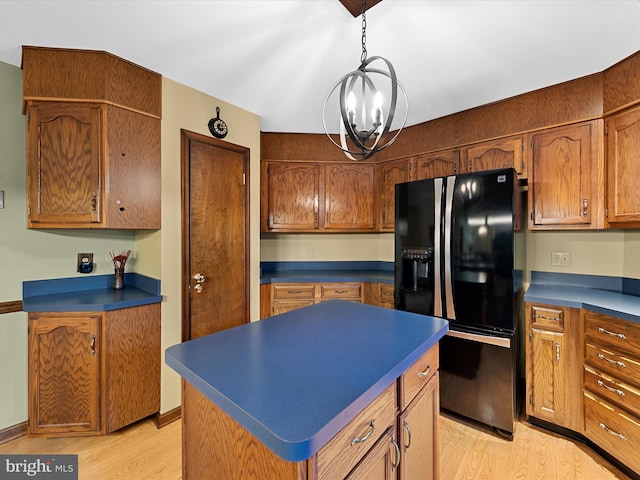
[416, 284]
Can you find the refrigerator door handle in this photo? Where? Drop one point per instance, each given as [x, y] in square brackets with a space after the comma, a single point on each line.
[487, 339]
[437, 287]
[448, 220]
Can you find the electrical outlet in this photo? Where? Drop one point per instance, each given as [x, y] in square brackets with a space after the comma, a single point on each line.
[561, 259]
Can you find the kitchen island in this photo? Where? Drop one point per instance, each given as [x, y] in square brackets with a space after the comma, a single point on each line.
[324, 392]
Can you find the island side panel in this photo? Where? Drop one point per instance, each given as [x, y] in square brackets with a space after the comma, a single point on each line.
[216, 446]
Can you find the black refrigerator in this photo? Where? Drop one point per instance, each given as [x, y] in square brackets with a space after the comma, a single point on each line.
[458, 257]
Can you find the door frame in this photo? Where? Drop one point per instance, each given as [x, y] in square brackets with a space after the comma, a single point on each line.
[186, 137]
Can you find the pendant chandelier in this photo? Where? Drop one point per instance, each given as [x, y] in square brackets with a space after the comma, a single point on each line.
[367, 101]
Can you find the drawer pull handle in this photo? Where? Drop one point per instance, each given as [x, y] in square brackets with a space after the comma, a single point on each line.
[406, 427]
[294, 292]
[397, 449]
[341, 291]
[613, 334]
[545, 317]
[615, 434]
[614, 390]
[365, 437]
[557, 351]
[425, 372]
[615, 362]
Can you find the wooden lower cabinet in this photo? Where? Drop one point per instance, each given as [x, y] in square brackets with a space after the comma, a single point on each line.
[291, 296]
[93, 372]
[553, 365]
[216, 446]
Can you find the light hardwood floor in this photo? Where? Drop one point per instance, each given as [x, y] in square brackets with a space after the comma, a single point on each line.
[142, 452]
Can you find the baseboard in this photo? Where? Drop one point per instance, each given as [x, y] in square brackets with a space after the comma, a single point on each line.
[13, 432]
[164, 419]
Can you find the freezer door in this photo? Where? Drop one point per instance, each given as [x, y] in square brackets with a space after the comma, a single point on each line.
[477, 378]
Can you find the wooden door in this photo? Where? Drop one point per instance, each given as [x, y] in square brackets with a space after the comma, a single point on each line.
[494, 154]
[349, 197]
[65, 351]
[390, 173]
[437, 164]
[547, 389]
[561, 183]
[623, 164]
[418, 434]
[292, 196]
[64, 163]
[215, 231]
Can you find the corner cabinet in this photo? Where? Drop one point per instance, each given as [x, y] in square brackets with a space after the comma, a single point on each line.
[78, 178]
[93, 372]
[623, 165]
[553, 359]
[566, 179]
[93, 148]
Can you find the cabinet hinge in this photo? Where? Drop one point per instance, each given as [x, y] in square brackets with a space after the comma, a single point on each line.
[530, 337]
[606, 213]
[29, 211]
[530, 399]
[606, 129]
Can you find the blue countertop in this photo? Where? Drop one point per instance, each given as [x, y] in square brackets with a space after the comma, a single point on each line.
[295, 380]
[301, 272]
[606, 295]
[93, 293]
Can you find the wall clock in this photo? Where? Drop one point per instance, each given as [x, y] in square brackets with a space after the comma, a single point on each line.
[217, 127]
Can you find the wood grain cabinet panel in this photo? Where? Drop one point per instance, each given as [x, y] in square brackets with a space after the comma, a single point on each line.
[495, 154]
[553, 365]
[566, 179]
[437, 164]
[292, 196]
[349, 193]
[623, 165]
[93, 372]
[389, 174]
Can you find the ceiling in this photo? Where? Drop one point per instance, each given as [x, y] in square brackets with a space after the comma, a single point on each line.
[280, 58]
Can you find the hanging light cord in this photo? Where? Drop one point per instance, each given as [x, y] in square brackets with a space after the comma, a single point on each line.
[363, 56]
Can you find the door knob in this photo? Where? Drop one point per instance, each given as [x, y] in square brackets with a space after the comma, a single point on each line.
[199, 278]
[197, 288]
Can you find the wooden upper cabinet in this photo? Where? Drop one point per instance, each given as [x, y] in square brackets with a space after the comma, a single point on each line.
[64, 163]
[349, 190]
[291, 196]
[93, 140]
[437, 164]
[566, 180]
[623, 165]
[389, 174]
[495, 154]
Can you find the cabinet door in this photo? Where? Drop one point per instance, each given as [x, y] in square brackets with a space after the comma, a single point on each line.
[437, 164]
[292, 196]
[623, 164]
[418, 434]
[494, 154]
[554, 358]
[380, 462]
[564, 189]
[64, 373]
[349, 201]
[389, 174]
[64, 164]
[132, 183]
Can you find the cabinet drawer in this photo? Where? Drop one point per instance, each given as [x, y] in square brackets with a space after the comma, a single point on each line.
[547, 318]
[295, 291]
[603, 330]
[340, 290]
[607, 360]
[612, 389]
[614, 430]
[417, 376]
[344, 451]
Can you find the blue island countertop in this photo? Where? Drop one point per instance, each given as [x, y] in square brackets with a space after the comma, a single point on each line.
[296, 379]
